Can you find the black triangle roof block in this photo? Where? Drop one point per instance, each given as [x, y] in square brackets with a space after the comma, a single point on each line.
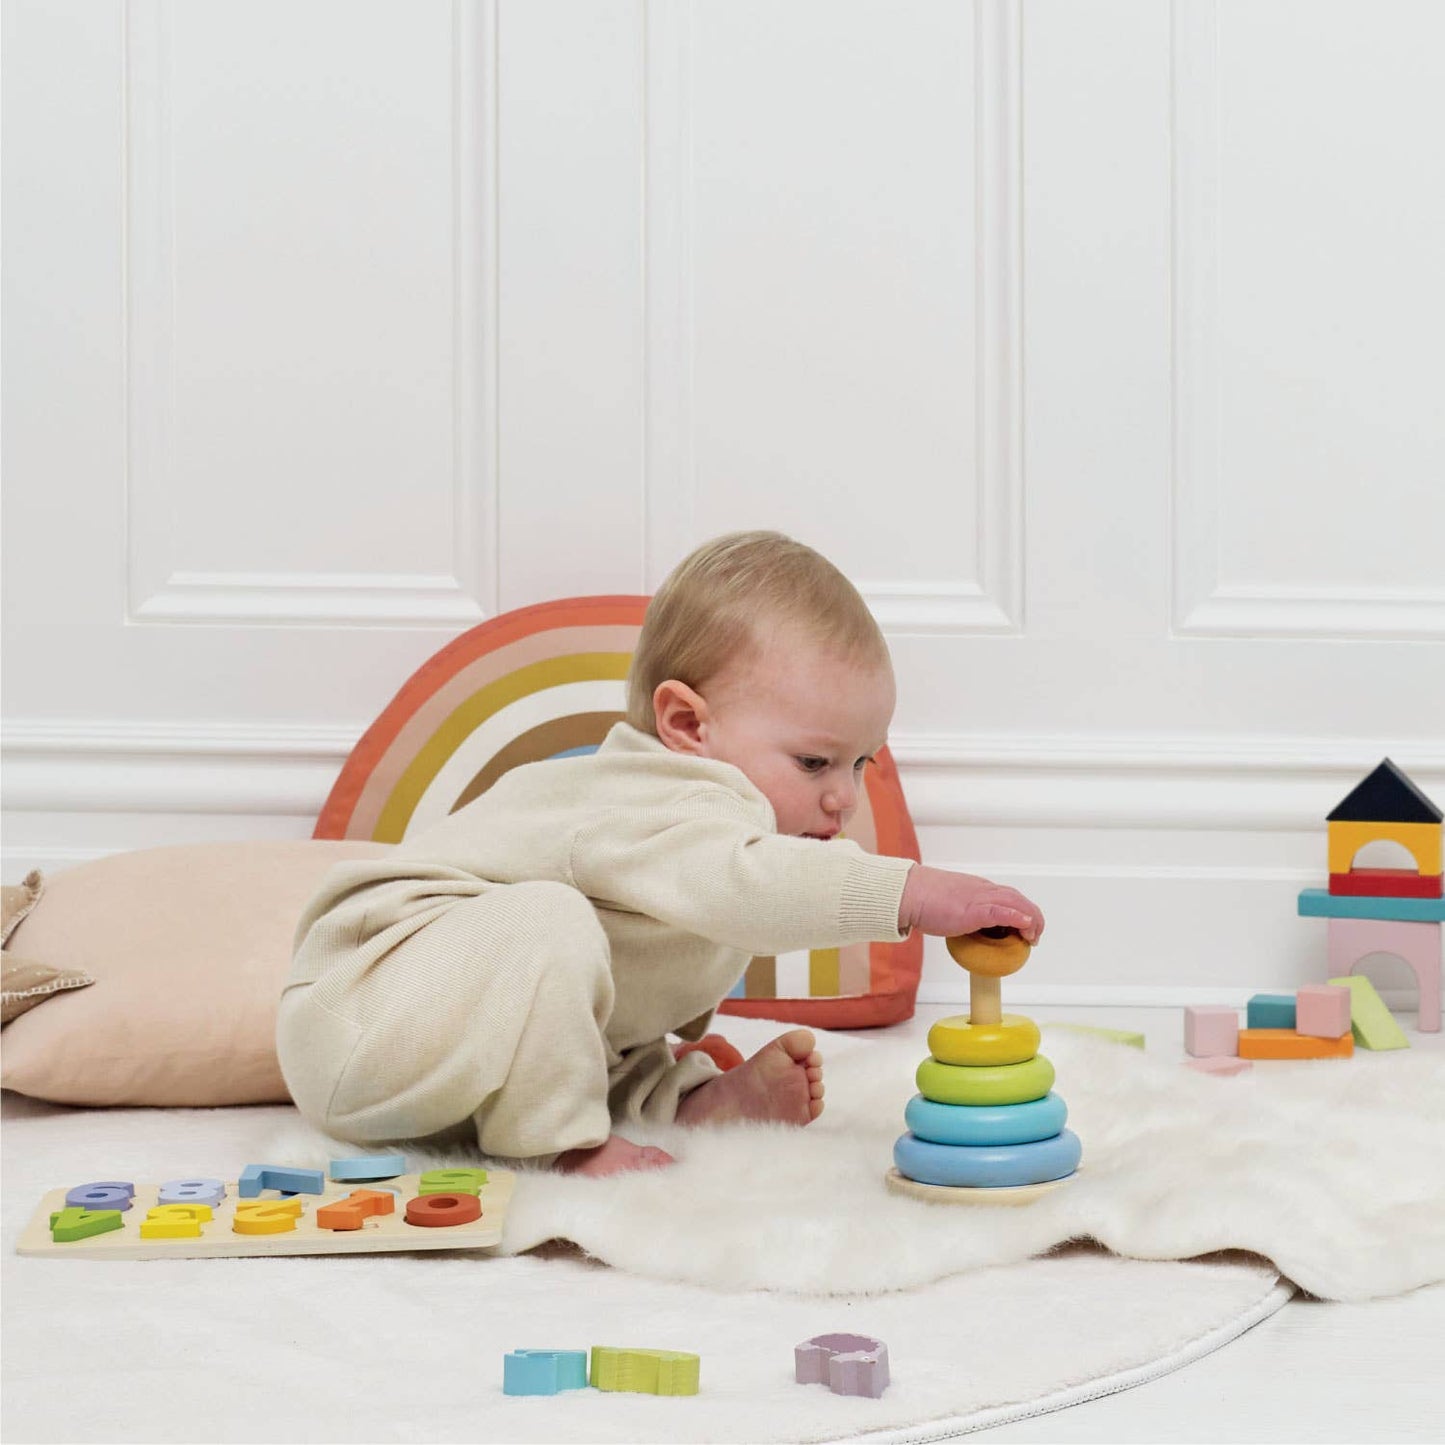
[1385, 796]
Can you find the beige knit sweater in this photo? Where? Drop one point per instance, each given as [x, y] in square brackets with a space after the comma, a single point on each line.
[677, 854]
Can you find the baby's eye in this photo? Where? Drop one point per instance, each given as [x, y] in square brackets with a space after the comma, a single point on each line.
[812, 765]
[861, 764]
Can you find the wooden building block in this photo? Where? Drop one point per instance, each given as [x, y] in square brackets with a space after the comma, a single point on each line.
[1386, 883]
[1210, 1030]
[1271, 1011]
[1349, 940]
[1286, 1044]
[1371, 1023]
[1420, 840]
[1322, 1010]
[1320, 903]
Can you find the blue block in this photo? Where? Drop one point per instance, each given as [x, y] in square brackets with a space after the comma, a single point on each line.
[367, 1167]
[988, 1167]
[985, 1123]
[256, 1177]
[543, 1372]
[1270, 1011]
[1321, 903]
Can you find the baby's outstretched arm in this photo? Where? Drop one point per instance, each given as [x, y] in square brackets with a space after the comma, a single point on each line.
[938, 901]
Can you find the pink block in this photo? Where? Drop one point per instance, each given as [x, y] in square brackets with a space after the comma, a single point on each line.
[1219, 1064]
[1322, 1010]
[1351, 939]
[1210, 1031]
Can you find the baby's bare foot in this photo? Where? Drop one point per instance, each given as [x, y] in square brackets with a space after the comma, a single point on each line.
[615, 1156]
[782, 1082]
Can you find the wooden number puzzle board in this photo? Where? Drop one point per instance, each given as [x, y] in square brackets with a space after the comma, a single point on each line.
[219, 1241]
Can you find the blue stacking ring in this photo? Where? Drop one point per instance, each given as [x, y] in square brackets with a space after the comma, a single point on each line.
[986, 1123]
[987, 1166]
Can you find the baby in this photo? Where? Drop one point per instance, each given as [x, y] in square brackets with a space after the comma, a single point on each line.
[511, 974]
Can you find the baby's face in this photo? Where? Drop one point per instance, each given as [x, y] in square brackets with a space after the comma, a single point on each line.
[801, 725]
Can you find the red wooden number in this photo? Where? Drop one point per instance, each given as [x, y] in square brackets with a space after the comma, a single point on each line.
[441, 1210]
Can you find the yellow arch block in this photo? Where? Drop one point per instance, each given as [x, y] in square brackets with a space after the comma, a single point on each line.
[1420, 840]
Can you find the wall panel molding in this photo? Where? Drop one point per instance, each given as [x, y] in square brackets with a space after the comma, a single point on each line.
[992, 600]
[1205, 604]
[159, 586]
[950, 779]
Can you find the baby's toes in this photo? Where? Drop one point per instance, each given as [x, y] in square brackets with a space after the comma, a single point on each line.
[815, 1107]
[816, 1088]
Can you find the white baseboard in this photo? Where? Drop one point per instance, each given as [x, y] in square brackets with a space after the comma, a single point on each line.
[1167, 868]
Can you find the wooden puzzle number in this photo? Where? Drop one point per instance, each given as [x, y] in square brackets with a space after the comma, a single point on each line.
[73, 1223]
[191, 1191]
[266, 1216]
[102, 1194]
[353, 1211]
[174, 1221]
[443, 1210]
[452, 1181]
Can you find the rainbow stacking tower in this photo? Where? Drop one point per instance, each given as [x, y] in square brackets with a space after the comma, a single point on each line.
[985, 1126]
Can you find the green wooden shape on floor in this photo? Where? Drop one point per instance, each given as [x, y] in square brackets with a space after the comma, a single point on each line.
[1371, 1021]
[644, 1372]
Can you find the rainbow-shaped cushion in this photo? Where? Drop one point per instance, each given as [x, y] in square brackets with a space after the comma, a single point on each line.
[549, 681]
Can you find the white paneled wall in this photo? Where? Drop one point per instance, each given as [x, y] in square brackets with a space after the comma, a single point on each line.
[1098, 343]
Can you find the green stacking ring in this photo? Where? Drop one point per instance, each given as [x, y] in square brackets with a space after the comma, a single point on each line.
[989, 1084]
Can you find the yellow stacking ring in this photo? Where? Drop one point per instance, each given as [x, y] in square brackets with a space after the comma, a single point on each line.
[994, 1084]
[993, 952]
[957, 1041]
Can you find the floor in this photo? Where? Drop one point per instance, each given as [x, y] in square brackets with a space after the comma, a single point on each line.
[1313, 1371]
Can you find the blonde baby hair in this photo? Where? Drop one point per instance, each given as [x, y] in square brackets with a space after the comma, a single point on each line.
[720, 599]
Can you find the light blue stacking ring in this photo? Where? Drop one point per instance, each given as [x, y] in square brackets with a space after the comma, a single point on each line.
[986, 1123]
[988, 1166]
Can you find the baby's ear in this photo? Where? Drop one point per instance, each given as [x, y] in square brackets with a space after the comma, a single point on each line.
[680, 715]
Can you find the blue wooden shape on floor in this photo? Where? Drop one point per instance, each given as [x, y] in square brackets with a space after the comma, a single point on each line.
[543, 1372]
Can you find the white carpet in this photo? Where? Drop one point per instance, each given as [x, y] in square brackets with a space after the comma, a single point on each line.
[759, 1239]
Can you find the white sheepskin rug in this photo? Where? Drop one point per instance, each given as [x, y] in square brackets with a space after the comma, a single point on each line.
[1334, 1171]
[757, 1240]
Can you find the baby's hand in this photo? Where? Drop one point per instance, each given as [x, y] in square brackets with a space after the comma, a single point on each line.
[945, 903]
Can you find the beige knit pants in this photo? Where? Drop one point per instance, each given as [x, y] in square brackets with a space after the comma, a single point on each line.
[482, 1014]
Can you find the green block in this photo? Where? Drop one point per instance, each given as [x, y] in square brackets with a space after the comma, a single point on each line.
[644, 1372]
[985, 1084]
[452, 1181]
[68, 1225]
[1118, 1036]
[1371, 1022]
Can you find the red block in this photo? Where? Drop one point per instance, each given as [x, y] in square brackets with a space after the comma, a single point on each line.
[1386, 883]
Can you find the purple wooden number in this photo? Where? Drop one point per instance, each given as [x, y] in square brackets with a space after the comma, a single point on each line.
[191, 1191]
[101, 1194]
